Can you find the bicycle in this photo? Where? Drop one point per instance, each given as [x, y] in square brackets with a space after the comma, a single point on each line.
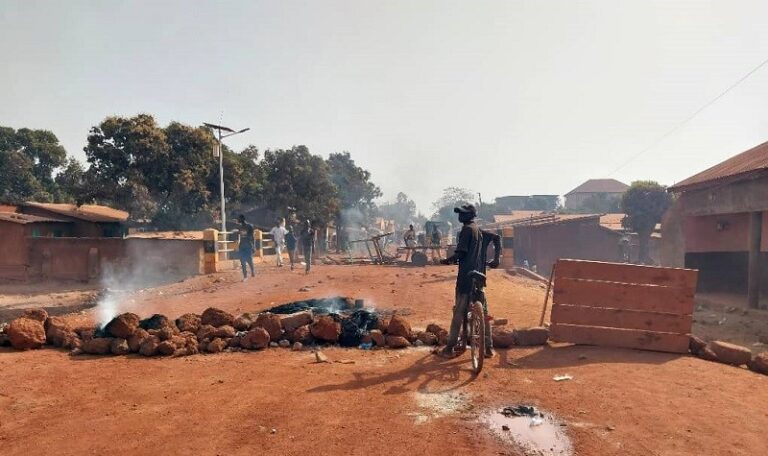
[473, 329]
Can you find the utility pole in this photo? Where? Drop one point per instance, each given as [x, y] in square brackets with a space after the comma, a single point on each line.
[231, 132]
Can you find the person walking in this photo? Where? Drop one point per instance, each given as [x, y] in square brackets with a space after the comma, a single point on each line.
[436, 241]
[278, 233]
[308, 244]
[245, 249]
[410, 241]
[290, 245]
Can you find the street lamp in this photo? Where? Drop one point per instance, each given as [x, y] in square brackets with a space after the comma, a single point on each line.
[230, 132]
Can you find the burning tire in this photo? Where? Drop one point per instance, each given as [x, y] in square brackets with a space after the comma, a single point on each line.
[419, 259]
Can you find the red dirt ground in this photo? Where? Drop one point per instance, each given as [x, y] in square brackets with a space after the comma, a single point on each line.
[620, 402]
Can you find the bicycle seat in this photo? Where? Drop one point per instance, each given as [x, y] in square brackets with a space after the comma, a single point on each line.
[478, 277]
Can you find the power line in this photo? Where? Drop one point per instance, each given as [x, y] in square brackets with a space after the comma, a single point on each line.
[691, 117]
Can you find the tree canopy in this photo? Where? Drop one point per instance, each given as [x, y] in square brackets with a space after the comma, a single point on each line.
[644, 204]
[451, 197]
[28, 159]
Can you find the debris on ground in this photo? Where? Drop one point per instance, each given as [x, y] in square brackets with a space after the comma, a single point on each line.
[562, 378]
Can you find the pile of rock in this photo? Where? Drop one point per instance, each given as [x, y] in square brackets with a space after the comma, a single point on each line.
[728, 353]
[521, 337]
[213, 331]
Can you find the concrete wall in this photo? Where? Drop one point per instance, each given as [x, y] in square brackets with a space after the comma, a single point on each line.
[672, 243]
[13, 259]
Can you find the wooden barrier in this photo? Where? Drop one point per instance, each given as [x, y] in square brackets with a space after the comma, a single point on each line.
[622, 305]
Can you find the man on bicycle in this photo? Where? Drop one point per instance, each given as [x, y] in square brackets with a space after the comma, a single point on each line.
[468, 256]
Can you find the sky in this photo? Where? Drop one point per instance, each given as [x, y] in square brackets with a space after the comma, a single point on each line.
[501, 97]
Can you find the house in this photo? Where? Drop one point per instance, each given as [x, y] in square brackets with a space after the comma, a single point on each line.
[595, 192]
[15, 228]
[527, 202]
[719, 225]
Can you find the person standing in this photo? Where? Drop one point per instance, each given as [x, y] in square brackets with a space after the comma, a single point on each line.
[245, 250]
[308, 244]
[410, 241]
[278, 233]
[290, 244]
[436, 241]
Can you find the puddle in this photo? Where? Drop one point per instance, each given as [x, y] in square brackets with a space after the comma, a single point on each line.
[545, 439]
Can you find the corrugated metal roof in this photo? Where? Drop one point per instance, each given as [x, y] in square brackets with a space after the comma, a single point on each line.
[612, 221]
[88, 212]
[600, 186]
[515, 216]
[563, 218]
[755, 159]
[23, 219]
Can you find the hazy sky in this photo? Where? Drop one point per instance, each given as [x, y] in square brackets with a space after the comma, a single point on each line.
[502, 97]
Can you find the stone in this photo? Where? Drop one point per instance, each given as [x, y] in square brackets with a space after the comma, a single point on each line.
[26, 333]
[528, 337]
[435, 328]
[707, 354]
[188, 322]
[216, 317]
[397, 342]
[295, 320]
[301, 334]
[297, 346]
[123, 325]
[730, 353]
[224, 332]
[86, 333]
[179, 341]
[149, 346]
[273, 345]
[4, 339]
[284, 343]
[71, 341]
[320, 357]
[235, 342]
[399, 326]
[759, 363]
[427, 338]
[377, 337]
[136, 339]
[217, 345]
[382, 324]
[165, 333]
[418, 343]
[440, 332]
[255, 339]
[98, 346]
[696, 345]
[242, 322]
[36, 314]
[166, 348]
[271, 323]
[119, 346]
[500, 321]
[325, 328]
[157, 321]
[502, 338]
[56, 330]
[205, 332]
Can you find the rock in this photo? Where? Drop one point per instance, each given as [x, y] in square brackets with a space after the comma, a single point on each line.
[399, 326]
[149, 346]
[301, 334]
[26, 333]
[397, 342]
[320, 357]
[382, 325]
[98, 346]
[56, 330]
[271, 323]
[180, 341]
[188, 322]
[297, 346]
[235, 342]
[435, 328]
[165, 333]
[427, 338]
[136, 339]
[500, 321]
[706, 353]
[255, 339]
[123, 325]
[166, 348]
[4, 339]
[86, 333]
[36, 314]
[273, 345]
[531, 336]
[71, 341]
[325, 328]
[216, 317]
[224, 332]
[759, 363]
[502, 338]
[243, 322]
[730, 353]
[157, 321]
[119, 346]
[284, 343]
[217, 345]
[366, 339]
[418, 343]
[377, 337]
[205, 332]
[296, 320]
[696, 345]
[440, 332]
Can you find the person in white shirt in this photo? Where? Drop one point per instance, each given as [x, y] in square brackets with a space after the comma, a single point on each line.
[278, 233]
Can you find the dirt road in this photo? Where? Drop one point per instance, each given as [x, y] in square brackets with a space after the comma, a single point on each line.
[620, 402]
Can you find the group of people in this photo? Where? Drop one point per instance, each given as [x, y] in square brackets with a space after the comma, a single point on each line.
[284, 239]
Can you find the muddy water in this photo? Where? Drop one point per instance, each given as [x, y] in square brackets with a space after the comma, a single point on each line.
[546, 439]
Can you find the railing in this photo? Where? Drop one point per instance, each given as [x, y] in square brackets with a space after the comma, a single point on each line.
[224, 245]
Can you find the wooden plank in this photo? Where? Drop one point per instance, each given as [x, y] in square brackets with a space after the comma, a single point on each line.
[621, 318]
[623, 338]
[615, 295]
[626, 273]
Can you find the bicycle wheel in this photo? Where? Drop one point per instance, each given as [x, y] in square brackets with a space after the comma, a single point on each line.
[477, 336]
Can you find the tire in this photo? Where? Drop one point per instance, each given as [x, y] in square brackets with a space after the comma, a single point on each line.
[477, 336]
[419, 259]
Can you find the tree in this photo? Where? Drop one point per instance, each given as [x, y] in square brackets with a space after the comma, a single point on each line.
[70, 182]
[402, 210]
[451, 197]
[644, 204]
[355, 193]
[28, 159]
[601, 203]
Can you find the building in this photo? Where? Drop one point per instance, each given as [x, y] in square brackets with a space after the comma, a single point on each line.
[719, 225]
[87, 220]
[595, 192]
[527, 202]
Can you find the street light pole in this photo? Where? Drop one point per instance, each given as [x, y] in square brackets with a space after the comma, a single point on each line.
[221, 167]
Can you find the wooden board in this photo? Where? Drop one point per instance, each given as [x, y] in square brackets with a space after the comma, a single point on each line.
[621, 318]
[623, 338]
[626, 273]
[615, 295]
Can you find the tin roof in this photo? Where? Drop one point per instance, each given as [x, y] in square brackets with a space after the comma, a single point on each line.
[741, 165]
[600, 186]
[87, 212]
[23, 219]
